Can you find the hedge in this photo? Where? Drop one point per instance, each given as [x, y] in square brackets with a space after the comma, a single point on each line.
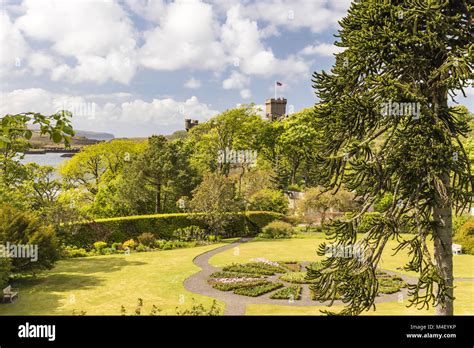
[465, 236]
[162, 226]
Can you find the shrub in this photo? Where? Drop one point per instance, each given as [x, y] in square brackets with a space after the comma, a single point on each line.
[147, 239]
[190, 233]
[22, 228]
[98, 246]
[258, 290]
[120, 229]
[269, 200]
[277, 229]
[292, 292]
[458, 221]
[296, 278]
[117, 246]
[75, 252]
[108, 251]
[5, 268]
[230, 285]
[131, 244]
[141, 248]
[465, 236]
[252, 268]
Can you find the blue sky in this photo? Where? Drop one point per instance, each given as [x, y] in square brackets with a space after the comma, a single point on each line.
[139, 67]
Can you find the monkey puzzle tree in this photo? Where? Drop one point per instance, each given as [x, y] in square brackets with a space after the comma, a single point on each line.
[407, 58]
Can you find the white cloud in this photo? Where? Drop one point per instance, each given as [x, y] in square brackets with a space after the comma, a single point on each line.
[98, 34]
[192, 83]
[242, 39]
[152, 10]
[246, 94]
[236, 81]
[321, 49]
[40, 62]
[186, 38]
[132, 118]
[317, 15]
[13, 46]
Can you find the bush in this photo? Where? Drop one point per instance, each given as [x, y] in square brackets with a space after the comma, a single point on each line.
[118, 230]
[465, 236]
[98, 246]
[458, 221]
[190, 233]
[5, 268]
[117, 246]
[75, 252]
[292, 292]
[141, 247]
[130, 244]
[147, 239]
[269, 200]
[277, 229]
[22, 228]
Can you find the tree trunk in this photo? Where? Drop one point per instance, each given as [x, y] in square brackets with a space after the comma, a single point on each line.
[158, 199]
[443, 253]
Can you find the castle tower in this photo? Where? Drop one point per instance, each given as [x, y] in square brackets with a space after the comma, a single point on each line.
[188, 124]
[275, 109]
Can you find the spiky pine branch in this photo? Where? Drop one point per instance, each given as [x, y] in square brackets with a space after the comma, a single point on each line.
[417, 52]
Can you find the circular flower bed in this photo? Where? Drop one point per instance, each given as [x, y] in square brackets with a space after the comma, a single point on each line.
[284, 279]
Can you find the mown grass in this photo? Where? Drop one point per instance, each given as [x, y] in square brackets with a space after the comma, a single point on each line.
[99, 285]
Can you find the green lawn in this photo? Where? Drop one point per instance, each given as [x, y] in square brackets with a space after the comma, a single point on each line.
[463, 305]
[100, 285]
[304, 246]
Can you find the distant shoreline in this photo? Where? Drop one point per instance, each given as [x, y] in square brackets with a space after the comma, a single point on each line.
[45, 151]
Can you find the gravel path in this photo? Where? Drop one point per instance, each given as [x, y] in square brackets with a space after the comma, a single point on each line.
[236, 304]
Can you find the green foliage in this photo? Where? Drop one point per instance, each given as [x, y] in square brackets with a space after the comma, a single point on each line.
[198, 309]
[21, 228]
[422, 57]
[276, 230]
[216, 198]
[5, 271]
[231, 286]
[70, 251]
[119, 229]
[156, 178]
[269, 200]
[458, 221]
[297, 278]
[189, 233]
[258, 268]
[98, 246]
[146, 238]
[383, 203]
[465, 236]
[292, 292]
[258, 290]
[129, 244]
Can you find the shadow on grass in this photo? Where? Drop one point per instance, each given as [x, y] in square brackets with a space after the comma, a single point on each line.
[88, 265]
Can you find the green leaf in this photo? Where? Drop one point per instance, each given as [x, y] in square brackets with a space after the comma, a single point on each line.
[57, 137]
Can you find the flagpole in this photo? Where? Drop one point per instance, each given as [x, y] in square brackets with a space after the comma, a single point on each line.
[275, 90]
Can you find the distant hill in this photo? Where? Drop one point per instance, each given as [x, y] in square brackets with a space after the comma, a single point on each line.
[94, 135]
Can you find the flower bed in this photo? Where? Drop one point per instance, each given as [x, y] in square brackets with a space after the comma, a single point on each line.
[296, 278]
[233, 285]
[258, 290]
[255, 268]
[292, 292]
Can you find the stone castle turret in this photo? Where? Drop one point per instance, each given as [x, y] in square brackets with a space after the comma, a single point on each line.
[275, 109]
[188, 124]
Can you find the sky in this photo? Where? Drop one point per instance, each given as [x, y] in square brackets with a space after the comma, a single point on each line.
[140, 67]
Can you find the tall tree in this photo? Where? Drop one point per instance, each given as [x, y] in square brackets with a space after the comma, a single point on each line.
[386, 127]
[156, 178]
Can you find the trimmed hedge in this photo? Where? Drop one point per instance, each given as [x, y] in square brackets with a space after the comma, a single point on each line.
[162, 226]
